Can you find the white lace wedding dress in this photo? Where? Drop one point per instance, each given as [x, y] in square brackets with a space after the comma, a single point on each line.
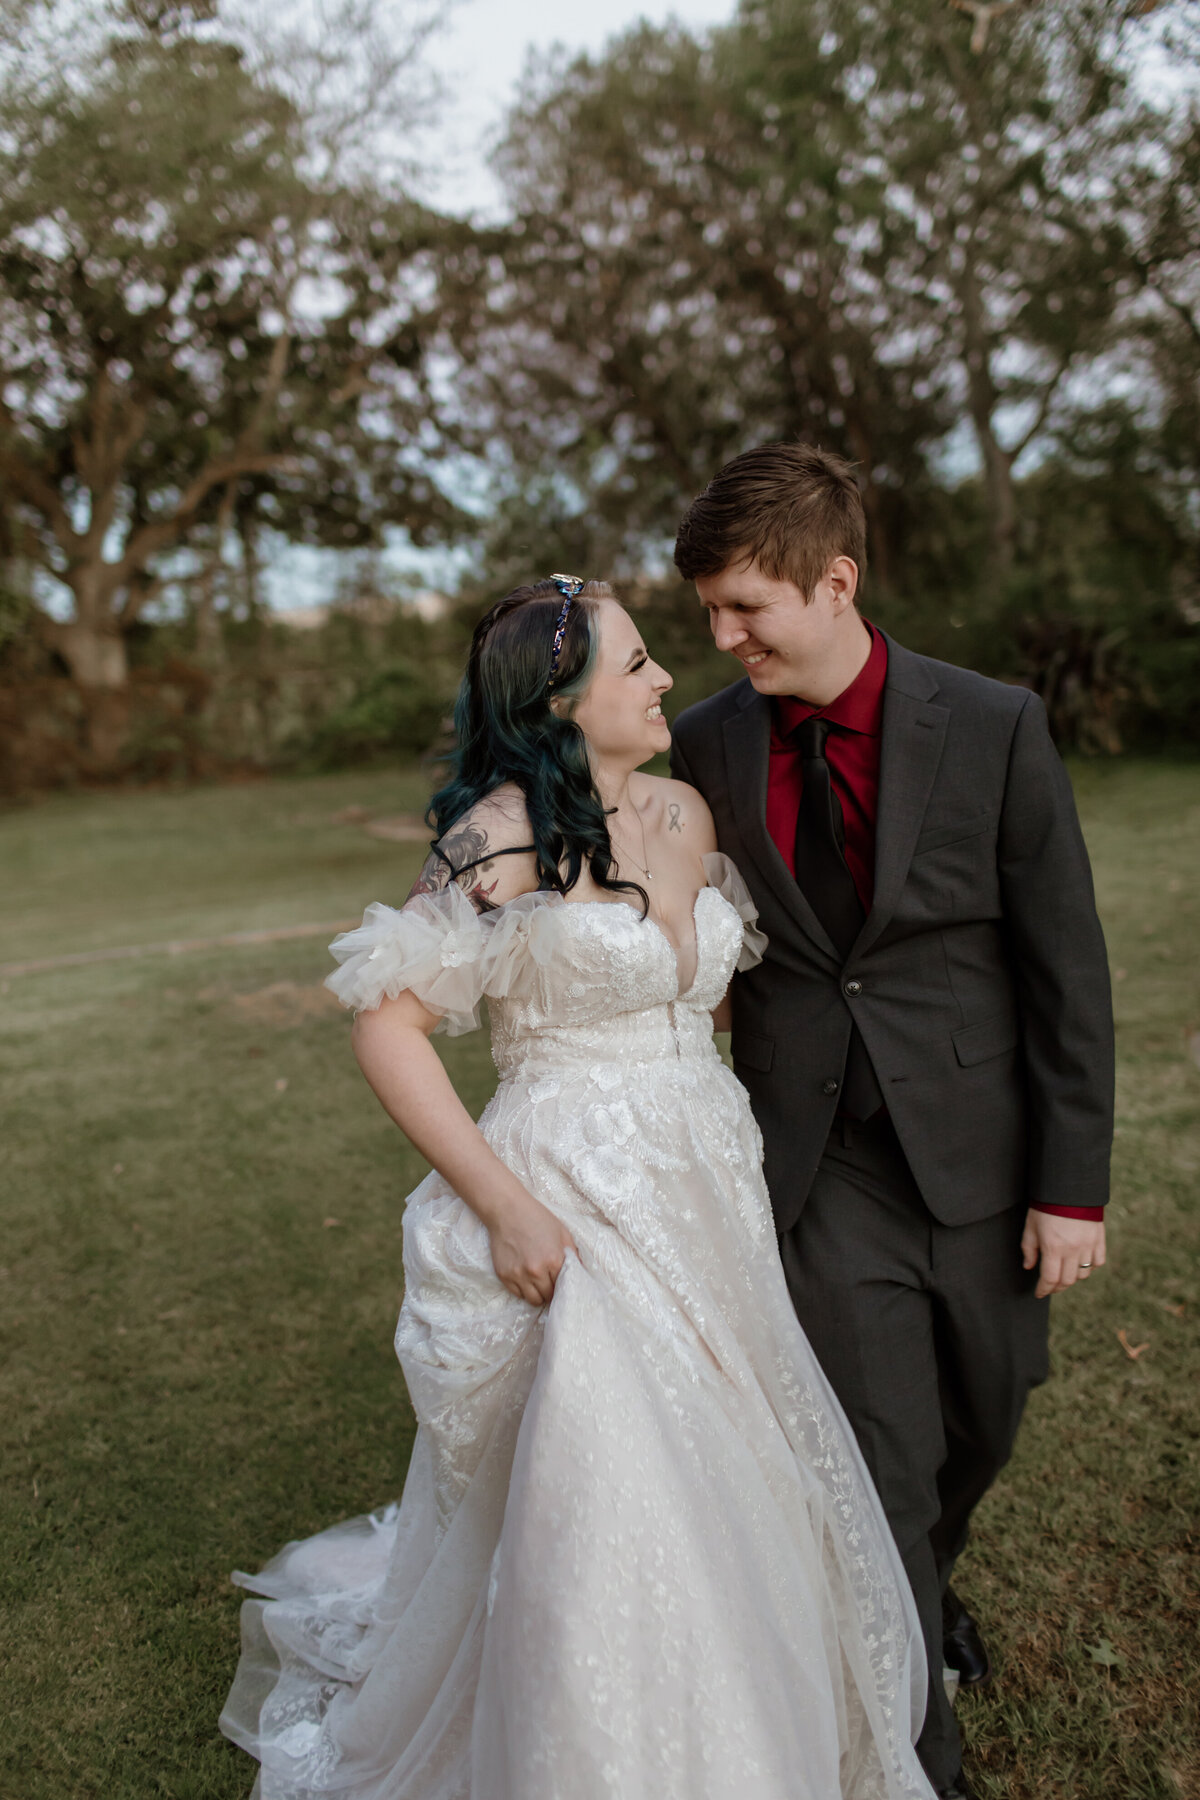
[637, 1556]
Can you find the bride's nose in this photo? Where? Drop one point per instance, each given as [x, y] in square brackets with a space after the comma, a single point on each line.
[663, 683]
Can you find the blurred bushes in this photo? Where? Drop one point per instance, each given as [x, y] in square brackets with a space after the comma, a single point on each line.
[1097, 614]
[392, 712]
[274, 698]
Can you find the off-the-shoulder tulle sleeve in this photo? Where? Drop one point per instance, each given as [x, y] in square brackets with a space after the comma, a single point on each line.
[725, 876]
[447, 954]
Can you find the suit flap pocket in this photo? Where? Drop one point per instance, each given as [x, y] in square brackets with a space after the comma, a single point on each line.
[991, 1037]
[753, 1052]
[938, 835]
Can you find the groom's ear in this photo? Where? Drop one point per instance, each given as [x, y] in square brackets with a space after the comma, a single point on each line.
[841, 577]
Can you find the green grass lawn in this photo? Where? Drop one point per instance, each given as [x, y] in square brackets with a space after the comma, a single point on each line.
[201, 1249]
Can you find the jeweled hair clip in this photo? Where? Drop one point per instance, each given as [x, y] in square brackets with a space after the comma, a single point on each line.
[568, 586]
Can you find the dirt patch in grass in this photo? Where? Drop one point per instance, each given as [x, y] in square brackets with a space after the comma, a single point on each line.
[281, 1005]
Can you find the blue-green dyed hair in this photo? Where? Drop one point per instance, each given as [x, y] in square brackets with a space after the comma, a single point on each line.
[508, 731]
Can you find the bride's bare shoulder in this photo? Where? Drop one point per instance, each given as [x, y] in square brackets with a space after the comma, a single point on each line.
[488, 852]
[677, 811]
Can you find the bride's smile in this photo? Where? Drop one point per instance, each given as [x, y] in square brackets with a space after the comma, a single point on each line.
[621, 712]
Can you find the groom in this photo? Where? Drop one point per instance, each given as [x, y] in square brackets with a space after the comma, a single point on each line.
[928, 1045]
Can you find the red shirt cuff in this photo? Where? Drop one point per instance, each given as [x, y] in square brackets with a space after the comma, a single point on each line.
[1094, 1213]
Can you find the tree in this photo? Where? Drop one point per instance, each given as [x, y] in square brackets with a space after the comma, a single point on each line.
[681, 278]
[853, 223]
[198, 307]
[1007, 139]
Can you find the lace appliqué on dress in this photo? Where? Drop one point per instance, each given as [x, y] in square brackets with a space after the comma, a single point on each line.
[637, 1550]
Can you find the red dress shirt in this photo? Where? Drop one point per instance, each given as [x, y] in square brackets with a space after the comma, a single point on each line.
[852, 752]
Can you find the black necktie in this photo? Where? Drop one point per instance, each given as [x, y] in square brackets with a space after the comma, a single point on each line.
[828, 886]
[820, 834]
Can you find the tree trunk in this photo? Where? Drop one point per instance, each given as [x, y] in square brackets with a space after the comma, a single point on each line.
[95, 655]
[209, 644]
[94, 649]
[982, 401]
[1001, 498]
[251, 583]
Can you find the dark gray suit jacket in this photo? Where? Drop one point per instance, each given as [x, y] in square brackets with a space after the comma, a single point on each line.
[984, 1003]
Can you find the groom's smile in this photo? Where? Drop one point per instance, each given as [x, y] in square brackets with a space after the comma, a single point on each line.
[788, 644]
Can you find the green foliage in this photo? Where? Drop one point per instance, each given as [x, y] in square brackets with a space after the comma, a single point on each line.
[16, 612]
[394, 711]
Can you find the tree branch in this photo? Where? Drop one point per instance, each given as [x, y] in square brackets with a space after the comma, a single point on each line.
[1043, 411]
[160, 533]
[1180, 308]
[268, 394]
[37, 492]
[983, 12]
[138, 596]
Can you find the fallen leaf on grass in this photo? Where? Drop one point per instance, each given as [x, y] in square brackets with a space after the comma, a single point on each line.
[1104, 1654]
[1132, 1351]
[405, 829]
[281, 1085]
[1176, 1312]
[328, 1222]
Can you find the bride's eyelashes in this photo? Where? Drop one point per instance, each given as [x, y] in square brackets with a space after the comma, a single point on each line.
[640, 664]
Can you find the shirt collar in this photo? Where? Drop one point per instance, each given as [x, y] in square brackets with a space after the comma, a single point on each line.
[857, 708]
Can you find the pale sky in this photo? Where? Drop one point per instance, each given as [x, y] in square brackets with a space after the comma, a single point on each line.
[481, 52]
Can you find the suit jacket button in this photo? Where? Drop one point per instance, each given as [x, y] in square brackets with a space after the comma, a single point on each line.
[829, 1087]
[853, 988]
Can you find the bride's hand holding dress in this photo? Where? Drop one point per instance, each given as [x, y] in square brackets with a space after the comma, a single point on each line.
[391, 1042]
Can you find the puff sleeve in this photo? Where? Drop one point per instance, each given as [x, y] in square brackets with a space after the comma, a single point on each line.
[724, 875]
[439, 948]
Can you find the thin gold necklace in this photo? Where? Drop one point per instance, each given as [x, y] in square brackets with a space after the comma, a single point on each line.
[633, 859]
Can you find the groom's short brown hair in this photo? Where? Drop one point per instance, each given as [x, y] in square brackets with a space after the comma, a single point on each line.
[791, 508]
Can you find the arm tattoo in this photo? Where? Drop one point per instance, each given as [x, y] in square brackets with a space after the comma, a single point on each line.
[435, 872]
[465, 848]
[673, 816]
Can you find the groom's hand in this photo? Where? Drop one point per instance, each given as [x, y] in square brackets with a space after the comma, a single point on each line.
[1067, 1249]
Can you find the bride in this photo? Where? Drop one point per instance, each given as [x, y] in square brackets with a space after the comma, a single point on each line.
[637, 1554]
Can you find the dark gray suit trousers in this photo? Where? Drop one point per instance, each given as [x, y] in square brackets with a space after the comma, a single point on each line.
[931, 1338]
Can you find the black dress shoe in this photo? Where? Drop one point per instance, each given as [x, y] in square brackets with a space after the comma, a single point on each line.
[962, 1646]
[959, 1789]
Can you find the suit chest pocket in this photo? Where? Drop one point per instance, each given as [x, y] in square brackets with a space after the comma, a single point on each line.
[974, 1044]
[751, 1051]
[959, 831]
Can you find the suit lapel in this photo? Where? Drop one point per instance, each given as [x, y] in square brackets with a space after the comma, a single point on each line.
[747, 749]
[913, 734]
